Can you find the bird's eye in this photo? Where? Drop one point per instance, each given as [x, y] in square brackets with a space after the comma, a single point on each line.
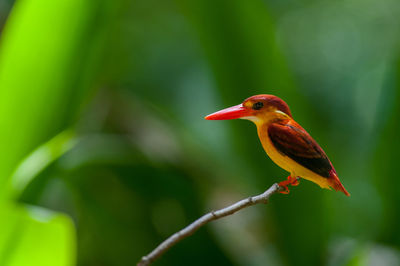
[257, 105]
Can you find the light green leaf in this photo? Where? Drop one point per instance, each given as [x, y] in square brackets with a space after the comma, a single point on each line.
[41, 158]
[47, 65]
[35, 236]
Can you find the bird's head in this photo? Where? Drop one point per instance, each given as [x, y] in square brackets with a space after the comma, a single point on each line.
[258, 108]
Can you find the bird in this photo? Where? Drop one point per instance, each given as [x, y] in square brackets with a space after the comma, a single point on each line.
[285, 141]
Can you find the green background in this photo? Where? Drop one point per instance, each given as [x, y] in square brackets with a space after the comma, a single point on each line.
[105, 152]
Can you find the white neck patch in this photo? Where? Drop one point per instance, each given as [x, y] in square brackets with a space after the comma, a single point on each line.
[252, 118]
[280, 112]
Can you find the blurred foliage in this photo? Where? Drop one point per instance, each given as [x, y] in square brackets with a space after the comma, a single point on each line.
[106, 153]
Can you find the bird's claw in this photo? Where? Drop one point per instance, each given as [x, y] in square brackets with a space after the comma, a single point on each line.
[288, 181]
[286, 191]
[296, 182]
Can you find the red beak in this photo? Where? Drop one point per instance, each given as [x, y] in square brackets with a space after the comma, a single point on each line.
[233, 112]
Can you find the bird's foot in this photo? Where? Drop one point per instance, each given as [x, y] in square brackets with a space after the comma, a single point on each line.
[296, 182]
[286, 191]
[289, 181]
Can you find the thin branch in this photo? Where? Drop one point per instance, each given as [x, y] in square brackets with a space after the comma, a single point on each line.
[211, 216]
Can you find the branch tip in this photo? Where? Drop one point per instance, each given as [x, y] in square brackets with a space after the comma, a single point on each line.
[203, 220]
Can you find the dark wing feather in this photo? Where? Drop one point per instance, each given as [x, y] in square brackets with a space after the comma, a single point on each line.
[293, 141]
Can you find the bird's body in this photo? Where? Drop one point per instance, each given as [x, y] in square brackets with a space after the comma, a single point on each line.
[285, 141]
[274, 151]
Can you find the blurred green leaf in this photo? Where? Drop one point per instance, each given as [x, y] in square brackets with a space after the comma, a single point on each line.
[48, 59]
[41, 62]
[35, 236]
[40, 159]
[385, 161]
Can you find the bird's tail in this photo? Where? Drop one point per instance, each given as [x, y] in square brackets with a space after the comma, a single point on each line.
[336, 184]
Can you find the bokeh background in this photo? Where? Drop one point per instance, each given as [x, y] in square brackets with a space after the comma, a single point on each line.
[105, 152]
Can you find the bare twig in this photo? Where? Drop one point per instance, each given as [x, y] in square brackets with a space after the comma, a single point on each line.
[213, 215]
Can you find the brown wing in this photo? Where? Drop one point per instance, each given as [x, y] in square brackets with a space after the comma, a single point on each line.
[293, 141]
